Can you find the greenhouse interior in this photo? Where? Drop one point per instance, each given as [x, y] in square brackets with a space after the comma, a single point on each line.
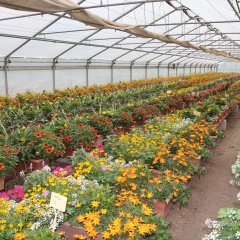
[119, 120]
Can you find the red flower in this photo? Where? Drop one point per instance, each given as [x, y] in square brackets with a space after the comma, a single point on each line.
[39, 134]
[88, 148]
[49, 150]
[8, 154]
[2, 166]
[80, 125]
[45, 145]
[69, 138]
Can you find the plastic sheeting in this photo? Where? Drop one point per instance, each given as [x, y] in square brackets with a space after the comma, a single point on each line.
[52, 6]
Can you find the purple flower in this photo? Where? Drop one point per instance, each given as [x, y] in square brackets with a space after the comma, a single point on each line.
[46, 193]
[43, 163]
[104, 168]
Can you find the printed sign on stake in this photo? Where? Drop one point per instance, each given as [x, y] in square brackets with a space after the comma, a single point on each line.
[58, 202]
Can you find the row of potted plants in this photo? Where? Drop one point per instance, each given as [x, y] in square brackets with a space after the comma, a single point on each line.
[15, 113]
[108, 195]
[112, 191]
[80, 91]
[53, 141]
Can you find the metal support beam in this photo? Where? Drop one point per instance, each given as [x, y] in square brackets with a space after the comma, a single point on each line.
[97, 31]
[112, 79]
[54, 76]
[131, 71]
[115, 59]
[168, 68]
[159, 64]
[146, 70]
[87, 74]
[6, 75]
[37, 33]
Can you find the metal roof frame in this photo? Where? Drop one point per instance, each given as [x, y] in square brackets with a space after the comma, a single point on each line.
[167, 52]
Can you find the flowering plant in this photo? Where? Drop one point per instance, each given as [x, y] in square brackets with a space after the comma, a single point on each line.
[44, 145]
[101, 123]
[123, 119]
[37, 177]
[227, 225]
[73, 133]
[16, 194]
[8, 159]
[62, 172]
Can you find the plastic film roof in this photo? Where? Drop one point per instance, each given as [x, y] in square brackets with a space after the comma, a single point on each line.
[56, 37]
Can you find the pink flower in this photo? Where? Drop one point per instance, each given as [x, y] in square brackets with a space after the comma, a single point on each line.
[46, 193]
[104, 168]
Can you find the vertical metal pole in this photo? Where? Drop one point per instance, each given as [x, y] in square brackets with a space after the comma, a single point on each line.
[191, 68]
[184, 69]
[146, 70]
[196, 68]
[6, 76]
[204, 68]
[111, 74]
[54, 76]
[87, 74]
[168, 69]
[159, 64]
[212, 70]
[209, 65]
[131, 76]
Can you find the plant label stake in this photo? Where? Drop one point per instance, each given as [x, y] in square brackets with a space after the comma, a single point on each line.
[58, 203]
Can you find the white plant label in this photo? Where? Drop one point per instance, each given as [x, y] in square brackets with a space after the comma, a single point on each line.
[58, 202]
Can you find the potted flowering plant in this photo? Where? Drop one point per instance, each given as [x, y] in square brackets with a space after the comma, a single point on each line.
[122, 119]
[74, 134]
[8, 160]
[102, 124]
[43, 146]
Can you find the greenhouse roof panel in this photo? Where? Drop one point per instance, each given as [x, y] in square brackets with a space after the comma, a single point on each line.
[57, 35]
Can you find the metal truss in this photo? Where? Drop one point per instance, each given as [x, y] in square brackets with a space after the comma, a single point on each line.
[201, 33]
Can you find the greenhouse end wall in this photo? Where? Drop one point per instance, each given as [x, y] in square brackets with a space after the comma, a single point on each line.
[34, 80]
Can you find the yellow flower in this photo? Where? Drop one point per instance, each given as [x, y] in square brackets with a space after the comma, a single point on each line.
[10, 225]
[146, 210]
[20, 236]
[103, 211]
[106, 235]
[150, 195]
[2, 227]
[80, 218]
[61, 233]
[20, 225]
[95, 204]
[79, 237]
